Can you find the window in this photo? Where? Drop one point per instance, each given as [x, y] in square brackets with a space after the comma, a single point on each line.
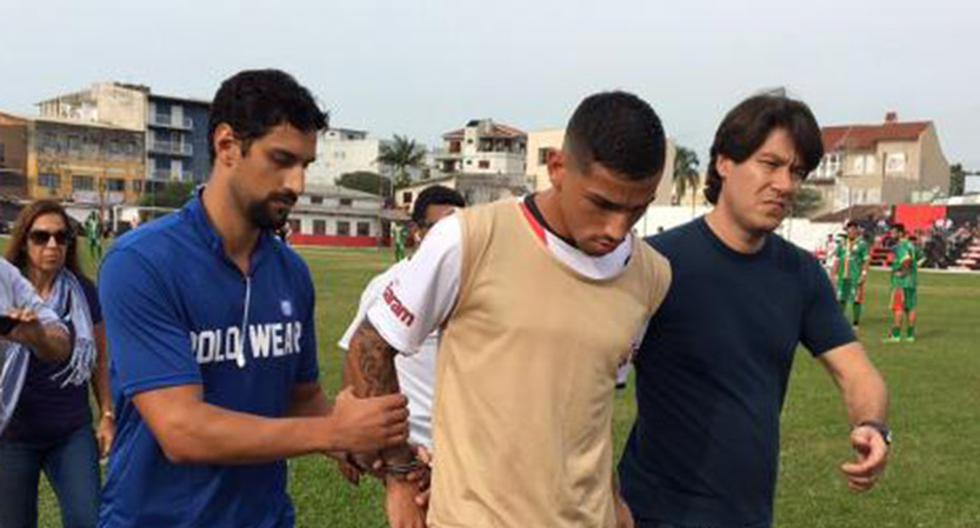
[83, 183]
[543, 155]
[895, 162]
[11, 179]
[833, 165]
[346, 202]
[363, 229]
[295, 226]
[484, 164]
[857, 166]
[343, 228]
[51, 181]
[407, 197]
[1, 153]
[115, 185]
[316, 199]
[319, 227]
[74, 144]
[870, 164]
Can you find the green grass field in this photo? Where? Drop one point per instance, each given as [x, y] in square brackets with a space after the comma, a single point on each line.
[934, 477]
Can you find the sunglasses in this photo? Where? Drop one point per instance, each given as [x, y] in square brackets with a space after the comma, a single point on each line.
[40, 237]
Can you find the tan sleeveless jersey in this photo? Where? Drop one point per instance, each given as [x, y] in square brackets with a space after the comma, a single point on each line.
[526, 372]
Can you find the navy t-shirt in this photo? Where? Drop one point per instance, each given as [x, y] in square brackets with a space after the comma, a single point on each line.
[179, 312]
[47, 412]
[712, 373]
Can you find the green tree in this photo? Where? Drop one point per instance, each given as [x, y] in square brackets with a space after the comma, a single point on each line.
[806, 202]
[957, 179]
[173, 194]
[402, 154]
[369, 182]
[686, 175]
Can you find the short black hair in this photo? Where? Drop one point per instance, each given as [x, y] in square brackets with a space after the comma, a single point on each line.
[435, 195]
[253, 101]
[748, 125]
[852, 223]
[621, 132]
[899, 227]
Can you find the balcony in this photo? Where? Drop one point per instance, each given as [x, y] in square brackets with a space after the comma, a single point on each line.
[172, 148]
[169, 175]
[169, 121]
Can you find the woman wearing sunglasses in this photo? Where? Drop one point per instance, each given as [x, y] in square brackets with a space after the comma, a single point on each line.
[50, 429]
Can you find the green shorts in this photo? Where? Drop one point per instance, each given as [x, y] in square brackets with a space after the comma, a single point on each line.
[904, 299]
[846, 291]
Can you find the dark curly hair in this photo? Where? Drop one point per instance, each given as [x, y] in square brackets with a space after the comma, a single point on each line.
[621, 132]
[253, 101]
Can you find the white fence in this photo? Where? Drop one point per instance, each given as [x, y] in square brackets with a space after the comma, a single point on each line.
[801, 231]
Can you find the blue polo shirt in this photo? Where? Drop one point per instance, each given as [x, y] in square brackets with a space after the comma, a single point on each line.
[711, 377]
[179, 312]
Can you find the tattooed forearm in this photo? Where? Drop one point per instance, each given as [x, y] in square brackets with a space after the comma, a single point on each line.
[370, 369]
[371, 363]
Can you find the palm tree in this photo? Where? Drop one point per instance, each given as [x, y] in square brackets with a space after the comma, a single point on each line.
[686, 175]
[401, 154]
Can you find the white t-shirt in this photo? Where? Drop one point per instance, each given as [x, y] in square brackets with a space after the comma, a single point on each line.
[421, 294]
[416, 373]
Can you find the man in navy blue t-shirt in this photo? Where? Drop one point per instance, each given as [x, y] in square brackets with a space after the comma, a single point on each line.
[713, 368]
[210, 320]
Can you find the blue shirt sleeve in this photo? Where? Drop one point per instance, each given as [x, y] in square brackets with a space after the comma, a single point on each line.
[824, 325]
[150, 345]
[309, 368]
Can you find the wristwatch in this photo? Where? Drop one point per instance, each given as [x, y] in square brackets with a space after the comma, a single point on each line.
[883, 430]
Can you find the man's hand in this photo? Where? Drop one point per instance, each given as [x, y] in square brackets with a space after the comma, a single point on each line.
[872, 457]
[400, 504]
[28, 330]
[48, 343]
[364, 425]
[624, 517]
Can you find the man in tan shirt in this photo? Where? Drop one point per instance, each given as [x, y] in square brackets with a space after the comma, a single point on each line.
[539, 300]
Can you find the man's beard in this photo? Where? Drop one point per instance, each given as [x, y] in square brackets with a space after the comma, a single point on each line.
[267, 214]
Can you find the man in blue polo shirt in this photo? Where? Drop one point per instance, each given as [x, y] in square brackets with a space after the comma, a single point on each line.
[713, 368]
[210, 320]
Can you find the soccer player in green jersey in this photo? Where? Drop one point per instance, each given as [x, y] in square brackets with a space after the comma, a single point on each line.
[905, 279]
[93, 233]
[851, 271]
[398, 233]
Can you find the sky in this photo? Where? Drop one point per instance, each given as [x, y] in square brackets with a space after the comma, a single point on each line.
[422, 68]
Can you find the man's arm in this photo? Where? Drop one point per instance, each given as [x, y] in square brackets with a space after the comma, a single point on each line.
[308, 399]
[866, 399]
[191, 431]
[49, 342]
[370, 371]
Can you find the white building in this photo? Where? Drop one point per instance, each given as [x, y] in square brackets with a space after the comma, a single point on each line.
[335, 216]
[340, 151]
[540, 143]
[475, 188]
[971, 184]
[482, 147]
